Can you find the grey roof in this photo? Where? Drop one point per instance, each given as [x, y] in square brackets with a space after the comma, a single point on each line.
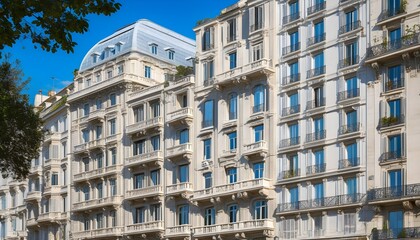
[139, 37]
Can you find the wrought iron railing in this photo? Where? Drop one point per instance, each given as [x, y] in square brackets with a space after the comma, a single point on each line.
[317, 168]
[316, 39]
[289, 142]
[349, 128]
[389, 193]
[392, 84]
[291, 79]
[394, 45]
[320, 102]
[290, 173]
[315, 72]
[351, 93]
[290, 18]
[291, 48]
[390, 156]
[290, 110]
[347, 163]
[391, 120]
[348, 61]
[349, 27]
[388, 13]
[315, 136]
[316, 8]
[396, 233]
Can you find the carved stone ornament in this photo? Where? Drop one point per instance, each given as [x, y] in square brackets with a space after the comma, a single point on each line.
[407, 205]
[375, 67]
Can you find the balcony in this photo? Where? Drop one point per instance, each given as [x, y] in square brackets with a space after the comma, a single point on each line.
[397, 193]
[99, 233]
[294, 78]
[96, 115]
[52, 162]
[315, 169]
[316, 39]
[143, 126]
[97, 143]
[55, 136]
[97, 173]
[348, 94]
[33, 196]
[178, 231]
[179, 188]
[256, 225]
[348, 61]
[254, 69]
[391, 156]
[145, 192]
[80, 148]
[316, 136]
[391, 121]
[97, 203]
[180, 116]
[291, 48]
[289, 174]
[295, 141]
[31, 222]
[391, 48]
[291, 18]
[145, 158]
[393, 84]
[315, 72]
[147, 227]
[181, 150]
[350, 128]
[50, 217]
[316, 8]
[54, 189]
[349, 27]
[317, 103]
[290, 110]
[348, 163]
[322, 203]
[259, 148]
[401, 233]
[390, 13]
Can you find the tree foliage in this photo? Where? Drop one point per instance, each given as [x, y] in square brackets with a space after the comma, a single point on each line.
[50, 24]
[20, 126]
[182, 71]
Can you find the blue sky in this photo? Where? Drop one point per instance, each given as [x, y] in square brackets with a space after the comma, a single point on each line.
[54, 70]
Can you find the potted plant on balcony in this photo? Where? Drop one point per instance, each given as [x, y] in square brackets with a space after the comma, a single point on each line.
[384, 121]
[402, 234]
[389, 85]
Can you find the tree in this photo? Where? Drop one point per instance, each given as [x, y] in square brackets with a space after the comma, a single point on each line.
[20, 127]
[183, 71]
[49, 23]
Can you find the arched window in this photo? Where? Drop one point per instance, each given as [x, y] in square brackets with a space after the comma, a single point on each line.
[259, 99]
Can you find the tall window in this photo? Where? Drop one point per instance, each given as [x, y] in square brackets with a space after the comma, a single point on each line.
[394, 7]
[112, 127]
[231, 30]
[319, 192]
[100, 160]
[183, 214]
[208, 39]
[113, 186]
[259, 98]
[184, 136]
[232, 141]
[351, 186]
[138, 113]
[147, 72]
[294, 41]
[233, 106]
[155, 177]
[233, 213]
[394, 78]
[113, 156]
[395, 146]
[258, 133]
[208, 180]
[232, 60]
[184, 173]
[351, 87]
[155, 108]
[113, 99]
[86, 193]
[319, 127]
[349, 223]
[156, 212]
[257, 52]
[85, 164]
[352, 56]
[395, 222]
[209, 216]
[351, 20]
[139, 215]
[86, 109]
[98, 131]
[54, 178]
[208, 114]
[260, 208]
[155, 140]
[208, 69]
[207, 148]
[319, 32]
[113, 216]
[171, 54]
[294, 133]
[99, 189]
[258, 170]
[139, 147]
[319, 159]
[139, 181]
[319, 97]
[294, 197]
[85, 135]
[86, 224]
[294, 103]
[232, 175]
[352, 155]
[258, 18]
[154, 49]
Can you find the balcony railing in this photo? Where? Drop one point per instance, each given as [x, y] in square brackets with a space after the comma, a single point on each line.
[145, 192]
[290, 110]
[348, 61]
[397, 192]
[290, 173]
[144, 124]
[351, 93]
[348, 163]
[315, 72]
[291, 48]
[333, 201]
[316, 8]
[391, 121]
[317, 168]
[392, 84]
[315, 136]
[145, 158]
[97, 203]
[227, 189]
[289, 142]
[350, 128]
[390, 156]
[291, 79]
[389, 13]
[179, 187]
[316, 39]
[179, 149]
[315, 104]
[256, 26]
[178, 230]
[255, 147]
[180, 114]
[349, 27]
[394, 45]
[399, 233]
[146, 227]
[251, 225]
[290, 18]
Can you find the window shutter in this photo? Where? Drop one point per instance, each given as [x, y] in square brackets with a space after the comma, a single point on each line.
[403, 145]
[309, 161]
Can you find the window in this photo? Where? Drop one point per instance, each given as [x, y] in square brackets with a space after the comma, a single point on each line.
[257, 52]
[98, 104]
[294, 41]
[85, 135]
[183, 173]
[319, 161]
[258, 170]
[232, 60]
[208, 39]
[258, 18]
[395, 223]
[112, 127]
[260, 208]
[319, 34]
[86, 164]
[232, 175]
[231, 30]
[54, 178]
[293, 165]
[139, 181]
[351, 187]
[351, 21]
[64, 176]
[171, 54]
[98, 77]
[3, 202]
[319, 193]
[155, 140]
[258, 133]
[207, 180]
[207, 149]
[86, 224]
[98, 131]
[352, 56]
[155, 177]
[183, 214]
[113, 99]
[139, 147]
[395, 78]
[99, 189]
[113, 186]
[294, 197]
[319, 128]
[294, 133]
[86, 109]
[208, 70]
[113, 156]
[319, 99]
[147, 72]
[109, 74]
[154, 49]
[349, 223]
[259, 99]
[351, 87]
[139, 215]
[318, 226]
[113, 214]
[155, 108]
[232, 141]
[86, 193]
[208, 114]
[100, 160]
[319, 65]
[120, 69]
[184, 136]
[88, 83]
[156, 212]
[394, 7]
[394, 146]
[209, 216]
[138, 113]
[184, 101]
[233, 106]
[289, 229]
[233, 213]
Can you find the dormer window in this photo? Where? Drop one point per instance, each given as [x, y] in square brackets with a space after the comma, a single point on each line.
[118, 46]
[171, 54]
[95, 57]
[153, 48]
